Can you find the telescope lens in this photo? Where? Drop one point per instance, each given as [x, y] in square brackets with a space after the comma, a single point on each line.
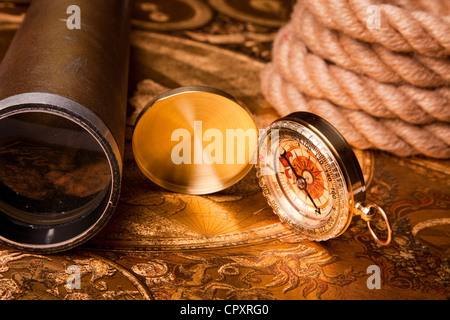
[52, 170]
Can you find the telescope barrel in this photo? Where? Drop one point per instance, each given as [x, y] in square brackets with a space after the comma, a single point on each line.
[63, 98]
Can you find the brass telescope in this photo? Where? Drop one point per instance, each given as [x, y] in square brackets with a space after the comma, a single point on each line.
[63, 94]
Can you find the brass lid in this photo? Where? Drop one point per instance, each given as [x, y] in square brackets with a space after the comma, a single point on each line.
[195, 140]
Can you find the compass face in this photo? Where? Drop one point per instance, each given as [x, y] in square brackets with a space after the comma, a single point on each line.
[302, 180]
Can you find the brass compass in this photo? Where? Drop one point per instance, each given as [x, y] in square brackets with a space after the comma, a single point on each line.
[312, 179]
[306, 169]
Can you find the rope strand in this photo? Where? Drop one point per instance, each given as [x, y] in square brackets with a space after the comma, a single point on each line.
[401, 30]
[360, 129]
[370, 59]
[386, 88]
[313, 76]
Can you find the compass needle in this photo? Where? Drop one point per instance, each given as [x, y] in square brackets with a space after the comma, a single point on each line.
[312, 200]
[300, 181]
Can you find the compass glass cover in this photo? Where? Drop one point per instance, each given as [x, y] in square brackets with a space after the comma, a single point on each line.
[302, 180]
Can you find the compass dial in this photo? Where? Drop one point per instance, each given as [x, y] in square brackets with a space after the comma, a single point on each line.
[303, 181]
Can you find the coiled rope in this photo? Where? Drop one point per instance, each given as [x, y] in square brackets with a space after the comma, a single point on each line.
[386, 88]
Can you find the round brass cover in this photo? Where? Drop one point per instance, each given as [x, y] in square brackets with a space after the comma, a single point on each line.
[195, 140]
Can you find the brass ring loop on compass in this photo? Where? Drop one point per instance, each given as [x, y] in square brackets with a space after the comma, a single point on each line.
[368, 214]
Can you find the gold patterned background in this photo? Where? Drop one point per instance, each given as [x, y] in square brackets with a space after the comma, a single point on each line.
[229, 245]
